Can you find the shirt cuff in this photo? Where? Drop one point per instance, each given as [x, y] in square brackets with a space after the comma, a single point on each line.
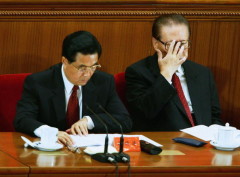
[90, 123]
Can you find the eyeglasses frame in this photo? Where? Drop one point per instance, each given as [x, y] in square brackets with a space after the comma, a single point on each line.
[92, 68]
[169, 42]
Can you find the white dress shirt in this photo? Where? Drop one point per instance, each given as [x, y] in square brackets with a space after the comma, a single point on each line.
[182, 78]
[68, 91]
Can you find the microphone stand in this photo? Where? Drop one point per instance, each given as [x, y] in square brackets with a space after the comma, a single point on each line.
[120, 156]
[105, 156]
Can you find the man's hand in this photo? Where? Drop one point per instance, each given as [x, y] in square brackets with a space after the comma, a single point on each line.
[173, 59]
[64, 138]
[80, 127]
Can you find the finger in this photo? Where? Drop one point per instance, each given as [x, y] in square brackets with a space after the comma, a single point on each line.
[176, 48]
[159, 53]
[170, 50]
[69, 140]
[62, 140]
[68, 131]
[66, 139]
[58, 141]
[84, 129]
[61, 137]
[180, 52]
[78, 130]
[182, 60]
[73, 129]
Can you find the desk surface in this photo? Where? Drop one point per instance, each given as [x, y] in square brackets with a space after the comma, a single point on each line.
[203, 161]
[11, 167]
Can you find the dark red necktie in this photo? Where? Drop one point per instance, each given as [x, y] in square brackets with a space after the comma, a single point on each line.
[72, 115]
[178, 87]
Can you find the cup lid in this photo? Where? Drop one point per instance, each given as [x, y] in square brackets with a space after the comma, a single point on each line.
[227, 127]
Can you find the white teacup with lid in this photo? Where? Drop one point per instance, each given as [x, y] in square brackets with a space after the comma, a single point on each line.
[228, 136]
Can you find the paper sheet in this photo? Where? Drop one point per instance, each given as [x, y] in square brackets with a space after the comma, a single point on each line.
[99, 139]
[99, 149]
[203, 132]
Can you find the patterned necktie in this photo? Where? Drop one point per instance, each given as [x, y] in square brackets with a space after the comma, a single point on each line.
[178, 87]
[72, 115]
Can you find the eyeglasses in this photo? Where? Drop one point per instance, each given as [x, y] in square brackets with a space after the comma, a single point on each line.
[84, 68]
[185, 43]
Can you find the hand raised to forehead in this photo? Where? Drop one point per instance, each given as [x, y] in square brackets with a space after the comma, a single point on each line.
[173, 59]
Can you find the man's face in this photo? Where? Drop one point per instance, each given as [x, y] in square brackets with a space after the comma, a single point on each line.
[177, 32]
[80, 71]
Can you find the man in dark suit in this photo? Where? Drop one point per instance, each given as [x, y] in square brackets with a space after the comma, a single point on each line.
[154, 98]
[65, 95]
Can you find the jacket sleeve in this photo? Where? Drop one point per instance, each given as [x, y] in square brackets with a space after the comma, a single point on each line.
[146, 94]
[215, 105]
[27, 109]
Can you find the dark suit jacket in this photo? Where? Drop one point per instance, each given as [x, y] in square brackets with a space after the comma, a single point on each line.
[154, 103]
[43, 102]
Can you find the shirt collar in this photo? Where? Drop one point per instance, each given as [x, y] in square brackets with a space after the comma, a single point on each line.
[68, 85]
[180, 71]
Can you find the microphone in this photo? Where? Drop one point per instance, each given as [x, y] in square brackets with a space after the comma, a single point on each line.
[105, 156]
[120, 156]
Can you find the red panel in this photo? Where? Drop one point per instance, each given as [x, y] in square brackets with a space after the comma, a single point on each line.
[11, 86]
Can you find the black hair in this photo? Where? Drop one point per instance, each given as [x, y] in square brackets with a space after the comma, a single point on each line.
[166, 20]
[80, 41]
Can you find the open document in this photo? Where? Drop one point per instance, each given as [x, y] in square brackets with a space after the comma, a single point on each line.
[99, 139]
[203, 132]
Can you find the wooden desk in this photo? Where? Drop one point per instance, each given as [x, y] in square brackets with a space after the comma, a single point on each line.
[11, 167]
[200, 162]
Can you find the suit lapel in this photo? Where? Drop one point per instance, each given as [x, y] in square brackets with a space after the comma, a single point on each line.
[88, 96]
[193, 89]
[192, 83]
[179, 105]
[58, 98]
[153, 65]
[59, 103]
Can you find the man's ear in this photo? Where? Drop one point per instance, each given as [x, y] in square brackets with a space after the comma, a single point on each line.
[64, 60]
[155, 43]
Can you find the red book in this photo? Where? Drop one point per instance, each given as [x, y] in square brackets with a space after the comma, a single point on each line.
[131, 144]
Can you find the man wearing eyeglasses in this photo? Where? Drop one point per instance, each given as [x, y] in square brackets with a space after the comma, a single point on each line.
[167, 92]
[67, 96]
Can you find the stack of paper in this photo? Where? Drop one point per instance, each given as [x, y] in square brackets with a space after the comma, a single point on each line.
[99, 139]
[203, 132]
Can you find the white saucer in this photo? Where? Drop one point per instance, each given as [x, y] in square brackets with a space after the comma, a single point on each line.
[226, 148]
[41, 147]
